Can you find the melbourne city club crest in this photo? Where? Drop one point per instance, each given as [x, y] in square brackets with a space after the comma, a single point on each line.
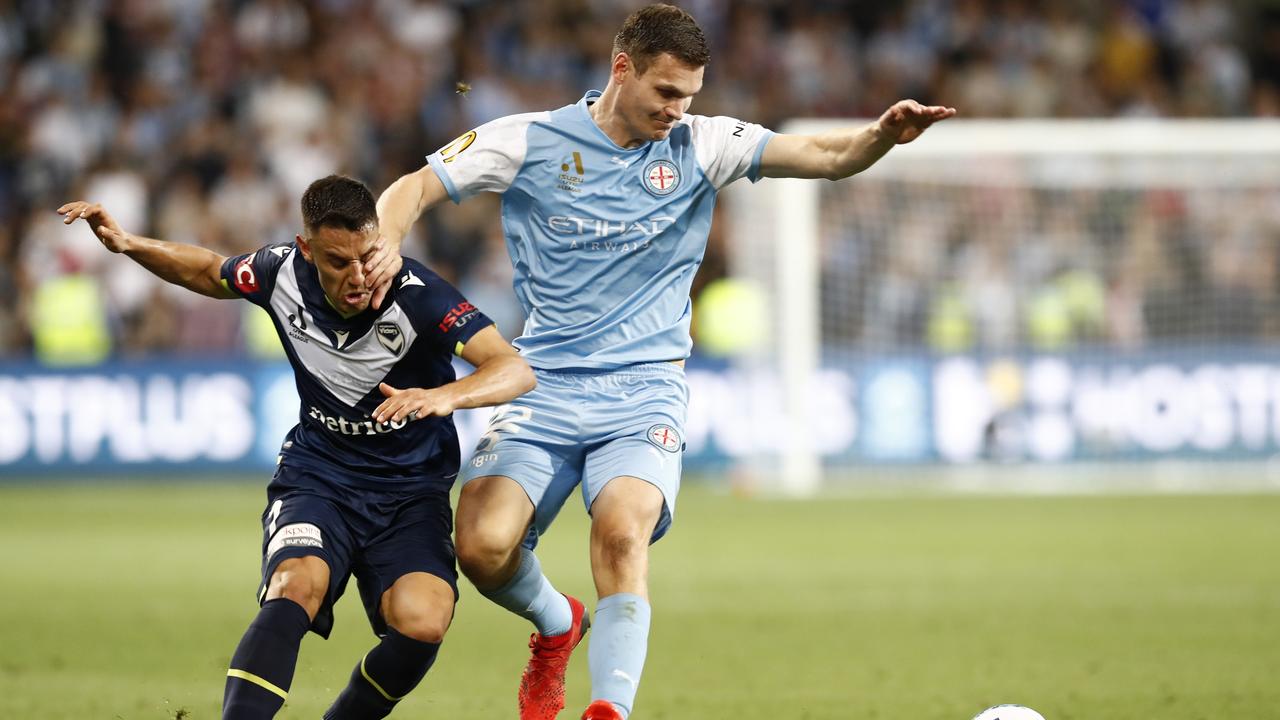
[661, 177]
[665, 437]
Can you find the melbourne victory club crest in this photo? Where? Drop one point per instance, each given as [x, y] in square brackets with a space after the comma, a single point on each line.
[661, 177]
[665, 437]
[390, 336]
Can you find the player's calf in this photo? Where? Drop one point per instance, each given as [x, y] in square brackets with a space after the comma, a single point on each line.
[383, 677]
[262, 667]
[418, 609]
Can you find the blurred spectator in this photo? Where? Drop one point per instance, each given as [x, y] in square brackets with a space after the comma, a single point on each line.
[202, 120]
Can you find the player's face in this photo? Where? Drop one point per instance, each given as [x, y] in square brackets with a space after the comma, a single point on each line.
[339, 256]
[655, 100]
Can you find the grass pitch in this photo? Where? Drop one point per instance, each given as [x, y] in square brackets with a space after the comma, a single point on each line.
[125, 601]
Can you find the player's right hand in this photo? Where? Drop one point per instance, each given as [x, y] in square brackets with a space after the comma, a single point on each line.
[381, 269]
[412, 403]
[100, 222]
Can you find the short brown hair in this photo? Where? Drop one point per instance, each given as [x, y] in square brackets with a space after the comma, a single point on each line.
[660, 28]
[338, 202]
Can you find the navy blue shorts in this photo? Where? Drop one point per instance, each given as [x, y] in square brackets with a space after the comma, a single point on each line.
[374, 535]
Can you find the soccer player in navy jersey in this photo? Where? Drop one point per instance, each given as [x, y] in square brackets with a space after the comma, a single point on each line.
[362, 484]
[606, 207]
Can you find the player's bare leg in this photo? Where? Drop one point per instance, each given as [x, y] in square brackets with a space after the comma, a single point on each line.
[263, 664]
[418, 609]
[493, 517]
[623, 518]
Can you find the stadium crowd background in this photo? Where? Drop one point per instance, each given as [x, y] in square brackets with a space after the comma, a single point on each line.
[202, 121]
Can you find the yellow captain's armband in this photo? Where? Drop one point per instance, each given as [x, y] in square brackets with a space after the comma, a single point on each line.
[457, 349]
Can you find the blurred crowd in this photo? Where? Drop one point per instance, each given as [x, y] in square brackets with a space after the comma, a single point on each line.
[1000, 267]
[202, 121]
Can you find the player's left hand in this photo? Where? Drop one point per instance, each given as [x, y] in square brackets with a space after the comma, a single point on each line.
[906, 120]
[380, 270]
[113, 237]
[413, 403]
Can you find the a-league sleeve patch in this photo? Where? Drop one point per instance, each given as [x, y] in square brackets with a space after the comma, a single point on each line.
[449, 152]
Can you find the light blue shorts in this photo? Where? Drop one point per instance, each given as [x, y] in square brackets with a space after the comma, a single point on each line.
[588, 427]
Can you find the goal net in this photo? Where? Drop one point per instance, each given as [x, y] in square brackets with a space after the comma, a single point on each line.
[1005, 294]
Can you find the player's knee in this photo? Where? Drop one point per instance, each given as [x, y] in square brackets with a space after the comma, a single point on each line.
[427, 627]
[622, 546]
[483, 550]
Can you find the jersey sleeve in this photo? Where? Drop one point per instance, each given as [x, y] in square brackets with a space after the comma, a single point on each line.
[253, 275]
[486, 159]
[442, 316]
[728, 148]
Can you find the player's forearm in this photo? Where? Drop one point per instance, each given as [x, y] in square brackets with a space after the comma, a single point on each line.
[853, 150]
[497, 380]
[190, 266]
[399, 207]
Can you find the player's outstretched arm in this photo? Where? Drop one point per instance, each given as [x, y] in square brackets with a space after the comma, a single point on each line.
[191, 266]
[501, 376]
[838, 154]
[399, 206]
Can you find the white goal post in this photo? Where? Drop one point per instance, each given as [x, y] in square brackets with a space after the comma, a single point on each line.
[881, 278]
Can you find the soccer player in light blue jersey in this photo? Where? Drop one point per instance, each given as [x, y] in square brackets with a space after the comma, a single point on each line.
[606, 207]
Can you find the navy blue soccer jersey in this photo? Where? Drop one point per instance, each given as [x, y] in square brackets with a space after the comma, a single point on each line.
[338, 363]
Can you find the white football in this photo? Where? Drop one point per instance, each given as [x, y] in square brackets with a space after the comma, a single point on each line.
[1008, 712]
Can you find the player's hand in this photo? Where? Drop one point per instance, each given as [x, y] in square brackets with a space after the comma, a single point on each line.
[413, 403]
[381, 268]
[905, 120]
[100, 222]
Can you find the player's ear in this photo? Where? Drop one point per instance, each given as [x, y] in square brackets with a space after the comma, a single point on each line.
[304, 247]
[621, 65]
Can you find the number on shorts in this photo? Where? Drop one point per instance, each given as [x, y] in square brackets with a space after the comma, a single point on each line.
[272, 516]
[505, 419]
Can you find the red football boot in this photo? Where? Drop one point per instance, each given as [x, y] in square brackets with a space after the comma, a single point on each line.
[542, 685]
[601, 710]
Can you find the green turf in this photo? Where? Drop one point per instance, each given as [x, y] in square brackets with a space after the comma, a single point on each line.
[125, 601]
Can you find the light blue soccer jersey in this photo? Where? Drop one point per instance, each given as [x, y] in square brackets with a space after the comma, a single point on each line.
[604, 240]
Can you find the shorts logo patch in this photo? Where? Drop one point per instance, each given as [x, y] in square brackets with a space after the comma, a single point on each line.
[661, 177]
[295, 535]
[665, 437]
[389, 335]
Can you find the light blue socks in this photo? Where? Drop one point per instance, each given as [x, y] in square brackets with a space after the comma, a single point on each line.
[530, 595]
[619, 641]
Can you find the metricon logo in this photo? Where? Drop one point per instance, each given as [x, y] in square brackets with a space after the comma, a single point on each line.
[571, 181]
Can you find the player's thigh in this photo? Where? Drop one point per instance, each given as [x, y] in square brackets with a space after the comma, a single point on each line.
[417, 539]
[302, 523]
[419, 605]
[304, 580]
[494, 513]
[536, 443]
[624, 517]
[646, 444]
